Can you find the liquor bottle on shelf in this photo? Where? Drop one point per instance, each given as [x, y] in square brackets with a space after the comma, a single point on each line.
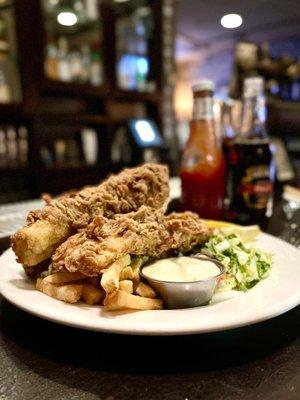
[10, 79]
[96, 71]
[203, 168]
[63, 67]
[141, 49]
[268, 67]
[76, 65]
[5, 92]
[80, 10]
[23, 145]
[3, 149]
[51, 60]
[4, 45]
[252, 160]
[245, 65]
[265, 61]
[86, 62]
[5, 88]
[296, 87]
[60, 151]
[294, 74]
[285, 80]
[91, 9]
[12, 147]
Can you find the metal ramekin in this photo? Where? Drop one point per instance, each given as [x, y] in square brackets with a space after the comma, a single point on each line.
[186, 294]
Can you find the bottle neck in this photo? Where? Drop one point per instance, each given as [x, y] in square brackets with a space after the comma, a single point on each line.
[254, 118]
[203, 108]
[227, 124]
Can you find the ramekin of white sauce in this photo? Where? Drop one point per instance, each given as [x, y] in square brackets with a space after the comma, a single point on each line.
[184, 282]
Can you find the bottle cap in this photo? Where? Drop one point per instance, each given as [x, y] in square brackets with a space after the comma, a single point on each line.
[204, 85]
[254, 86]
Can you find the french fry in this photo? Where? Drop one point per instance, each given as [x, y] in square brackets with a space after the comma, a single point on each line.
[91, 295]
[63, 277]
[121, 300]
[145, 290]
[126, 286]
[68, 293]
[111, 275]
[136, 265]
[127, 273]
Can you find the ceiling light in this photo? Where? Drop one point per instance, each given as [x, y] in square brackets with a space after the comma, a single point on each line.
[120, 1]
[231, 21]
[67, 18]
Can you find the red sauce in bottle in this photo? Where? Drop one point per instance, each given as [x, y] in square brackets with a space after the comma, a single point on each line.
[203, 168]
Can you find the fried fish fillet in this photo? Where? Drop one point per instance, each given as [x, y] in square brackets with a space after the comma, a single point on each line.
[46, 229]
[145, 232]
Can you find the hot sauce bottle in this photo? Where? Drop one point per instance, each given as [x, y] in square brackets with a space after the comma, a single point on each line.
[203, 168]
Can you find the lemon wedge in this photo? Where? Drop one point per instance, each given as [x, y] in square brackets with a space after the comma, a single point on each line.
[246, 233]
[213, 224]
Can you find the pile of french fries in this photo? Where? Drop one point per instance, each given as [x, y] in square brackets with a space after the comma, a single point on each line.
[119, 287]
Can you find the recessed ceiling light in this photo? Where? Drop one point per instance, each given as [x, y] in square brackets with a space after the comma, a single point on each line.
[67, 18]
[231, 21]
[120, 1]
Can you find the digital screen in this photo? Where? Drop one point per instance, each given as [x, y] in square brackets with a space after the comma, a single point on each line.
[145, 133]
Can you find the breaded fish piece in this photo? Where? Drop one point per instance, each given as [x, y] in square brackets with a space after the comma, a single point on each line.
[145, 232]
[46, 229]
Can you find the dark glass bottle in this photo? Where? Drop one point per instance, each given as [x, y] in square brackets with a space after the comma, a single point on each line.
[252, 159]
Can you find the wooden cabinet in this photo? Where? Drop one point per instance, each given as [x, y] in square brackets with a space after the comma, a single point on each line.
[83, 66]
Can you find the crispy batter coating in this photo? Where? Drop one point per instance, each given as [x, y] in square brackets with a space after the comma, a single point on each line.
[46, 229]
[145, 232]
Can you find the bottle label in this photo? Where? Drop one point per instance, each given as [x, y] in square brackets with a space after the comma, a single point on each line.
[203, 108]
[256, 187]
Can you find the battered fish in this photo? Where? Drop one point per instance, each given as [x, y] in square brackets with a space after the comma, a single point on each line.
[145, 232]
[46, 229]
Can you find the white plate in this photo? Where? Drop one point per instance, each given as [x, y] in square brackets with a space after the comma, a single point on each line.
[273, 296]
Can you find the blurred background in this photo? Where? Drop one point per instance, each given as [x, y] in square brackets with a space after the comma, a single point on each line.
[88, 87]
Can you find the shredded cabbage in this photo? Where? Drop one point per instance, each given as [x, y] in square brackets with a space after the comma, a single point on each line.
[244, 265]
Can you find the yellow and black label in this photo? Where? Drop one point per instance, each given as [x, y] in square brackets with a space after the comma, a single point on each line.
[256, 186]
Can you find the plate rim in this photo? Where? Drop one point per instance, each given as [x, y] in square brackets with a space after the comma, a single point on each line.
[268, 313]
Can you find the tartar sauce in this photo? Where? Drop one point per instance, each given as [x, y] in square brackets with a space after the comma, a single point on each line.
[181, 269]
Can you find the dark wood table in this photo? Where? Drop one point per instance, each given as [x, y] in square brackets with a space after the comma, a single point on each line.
[43, 360]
